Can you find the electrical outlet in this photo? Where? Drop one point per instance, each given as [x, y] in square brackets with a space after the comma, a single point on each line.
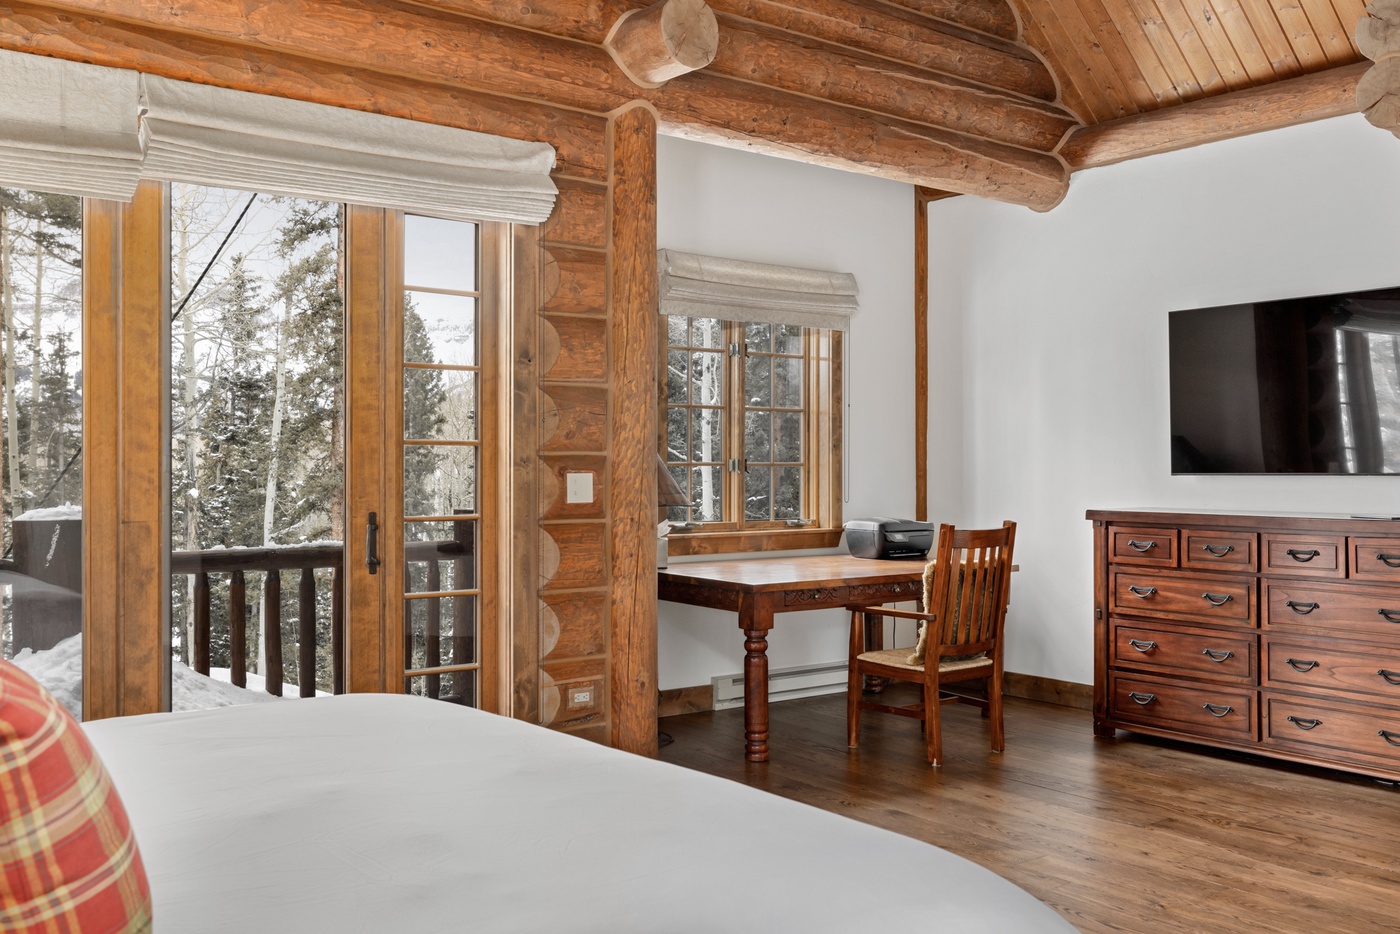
[580, 697]
[578, 487]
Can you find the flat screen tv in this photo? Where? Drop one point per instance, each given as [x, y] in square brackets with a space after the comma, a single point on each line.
[1297, 386]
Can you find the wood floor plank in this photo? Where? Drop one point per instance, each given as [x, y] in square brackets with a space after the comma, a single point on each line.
[1134, 834]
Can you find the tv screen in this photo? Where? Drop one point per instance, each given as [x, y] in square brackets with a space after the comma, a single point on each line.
[1299, 386]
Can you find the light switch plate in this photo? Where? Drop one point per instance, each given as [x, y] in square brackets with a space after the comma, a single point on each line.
[578, 487]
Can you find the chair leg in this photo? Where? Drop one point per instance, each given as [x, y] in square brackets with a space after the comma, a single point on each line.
[994, 712]
[853, 685]
[933, 724]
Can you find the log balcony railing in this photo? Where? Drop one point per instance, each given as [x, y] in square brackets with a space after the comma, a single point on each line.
[272, 561]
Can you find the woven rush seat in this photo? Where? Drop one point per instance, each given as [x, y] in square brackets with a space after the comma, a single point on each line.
[899, 658]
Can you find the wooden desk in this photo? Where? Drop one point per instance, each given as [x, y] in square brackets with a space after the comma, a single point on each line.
[759, 589]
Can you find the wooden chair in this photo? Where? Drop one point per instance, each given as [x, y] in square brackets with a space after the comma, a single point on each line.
[966, 588]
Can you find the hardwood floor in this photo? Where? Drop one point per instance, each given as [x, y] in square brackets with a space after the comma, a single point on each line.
[1135, 834]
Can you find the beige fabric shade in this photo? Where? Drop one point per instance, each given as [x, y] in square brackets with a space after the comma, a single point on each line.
[737, 290]
[88, 130]
[214, 136]
[68, 128]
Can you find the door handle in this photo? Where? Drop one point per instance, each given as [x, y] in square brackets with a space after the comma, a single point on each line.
[372, 543]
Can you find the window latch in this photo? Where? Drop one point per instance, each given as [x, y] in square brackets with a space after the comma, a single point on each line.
[736, 350]
[738, 464]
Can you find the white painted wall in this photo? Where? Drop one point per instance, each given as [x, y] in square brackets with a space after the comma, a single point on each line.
[1060, 321]
[724, 202]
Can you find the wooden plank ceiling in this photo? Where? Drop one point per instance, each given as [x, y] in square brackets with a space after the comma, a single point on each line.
[1121, 58]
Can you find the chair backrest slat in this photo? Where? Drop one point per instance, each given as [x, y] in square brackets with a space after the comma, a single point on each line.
[970, 586]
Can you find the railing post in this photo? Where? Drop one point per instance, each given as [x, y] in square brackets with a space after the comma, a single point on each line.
[238, 629]
[433, 637]
[306, 633]
[337, 631]
[272, 632]
[201, 623]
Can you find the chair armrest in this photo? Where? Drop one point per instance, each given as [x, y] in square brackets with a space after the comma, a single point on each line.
[889, 611]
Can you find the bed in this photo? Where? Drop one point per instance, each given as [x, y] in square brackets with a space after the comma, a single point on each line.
[373, 813]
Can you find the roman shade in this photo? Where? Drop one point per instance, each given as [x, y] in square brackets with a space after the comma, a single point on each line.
[737, 290]
[68, 128]
[214, 136]
[87, 130]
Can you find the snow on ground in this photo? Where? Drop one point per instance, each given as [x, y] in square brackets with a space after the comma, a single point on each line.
[51, 514]
[60, 670]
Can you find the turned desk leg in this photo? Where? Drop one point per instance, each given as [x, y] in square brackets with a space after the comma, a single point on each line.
[756, 695]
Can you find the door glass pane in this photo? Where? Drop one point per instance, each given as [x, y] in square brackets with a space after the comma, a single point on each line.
[257, 461]
[441, 472]
[41, 443]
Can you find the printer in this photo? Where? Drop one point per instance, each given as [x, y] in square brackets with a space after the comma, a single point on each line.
[883, 537]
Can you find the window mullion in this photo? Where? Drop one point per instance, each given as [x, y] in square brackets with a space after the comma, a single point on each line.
[734, 422]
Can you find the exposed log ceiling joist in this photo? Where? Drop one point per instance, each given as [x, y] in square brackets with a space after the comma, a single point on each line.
[1302, 99]
[768, 88]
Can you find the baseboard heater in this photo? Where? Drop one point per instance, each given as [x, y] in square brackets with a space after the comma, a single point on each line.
[783, 684]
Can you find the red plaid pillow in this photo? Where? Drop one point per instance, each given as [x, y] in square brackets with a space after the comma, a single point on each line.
[68, 859]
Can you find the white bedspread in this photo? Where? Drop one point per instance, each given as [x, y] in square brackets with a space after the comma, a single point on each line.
[394, 814]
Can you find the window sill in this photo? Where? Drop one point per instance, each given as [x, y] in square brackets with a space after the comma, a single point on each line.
[721, 543]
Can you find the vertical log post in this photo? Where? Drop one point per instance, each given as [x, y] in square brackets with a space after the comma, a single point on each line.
[199, 656]
[272, 632]
[632, 496]
[432, 638]
[306, 633]
[337, 631]
[238, 629]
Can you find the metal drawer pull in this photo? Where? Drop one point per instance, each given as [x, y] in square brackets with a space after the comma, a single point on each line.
[1142, 591]
[1136, 545]
[1216, 655]
[1389, 737]
[1390, 561]
[1216, 599]
[1142, 645]
[1217, 710]
[1298, 554]
[1143, 699]
[1302, 609]
[1391, 677]
[1391, 616]
[1296, 665]
[1224, 550]
[1303, 723]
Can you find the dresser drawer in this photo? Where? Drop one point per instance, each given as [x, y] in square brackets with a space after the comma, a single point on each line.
[1334, 666]
[1183, 596]
[1129, 545]
[1202, 653]
[1305, 555]
[1199, 709]
[1341, 608]
[1375, 559]
[1367, 735]
[1203, 549]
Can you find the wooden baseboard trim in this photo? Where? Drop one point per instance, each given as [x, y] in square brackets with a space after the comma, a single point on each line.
[675, 701]
[1049, 690]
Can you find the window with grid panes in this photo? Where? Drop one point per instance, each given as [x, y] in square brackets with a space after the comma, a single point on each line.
[751, 434]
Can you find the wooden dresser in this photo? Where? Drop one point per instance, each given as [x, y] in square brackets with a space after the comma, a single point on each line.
[1274, 634]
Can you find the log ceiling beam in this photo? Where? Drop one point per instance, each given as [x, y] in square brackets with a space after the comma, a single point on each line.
[992, 17]
[1316, 96]
[776, 59]
[485, 58]
[930, 47]
[668, 39]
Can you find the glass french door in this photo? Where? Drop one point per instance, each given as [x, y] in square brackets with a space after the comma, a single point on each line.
[329, 407]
